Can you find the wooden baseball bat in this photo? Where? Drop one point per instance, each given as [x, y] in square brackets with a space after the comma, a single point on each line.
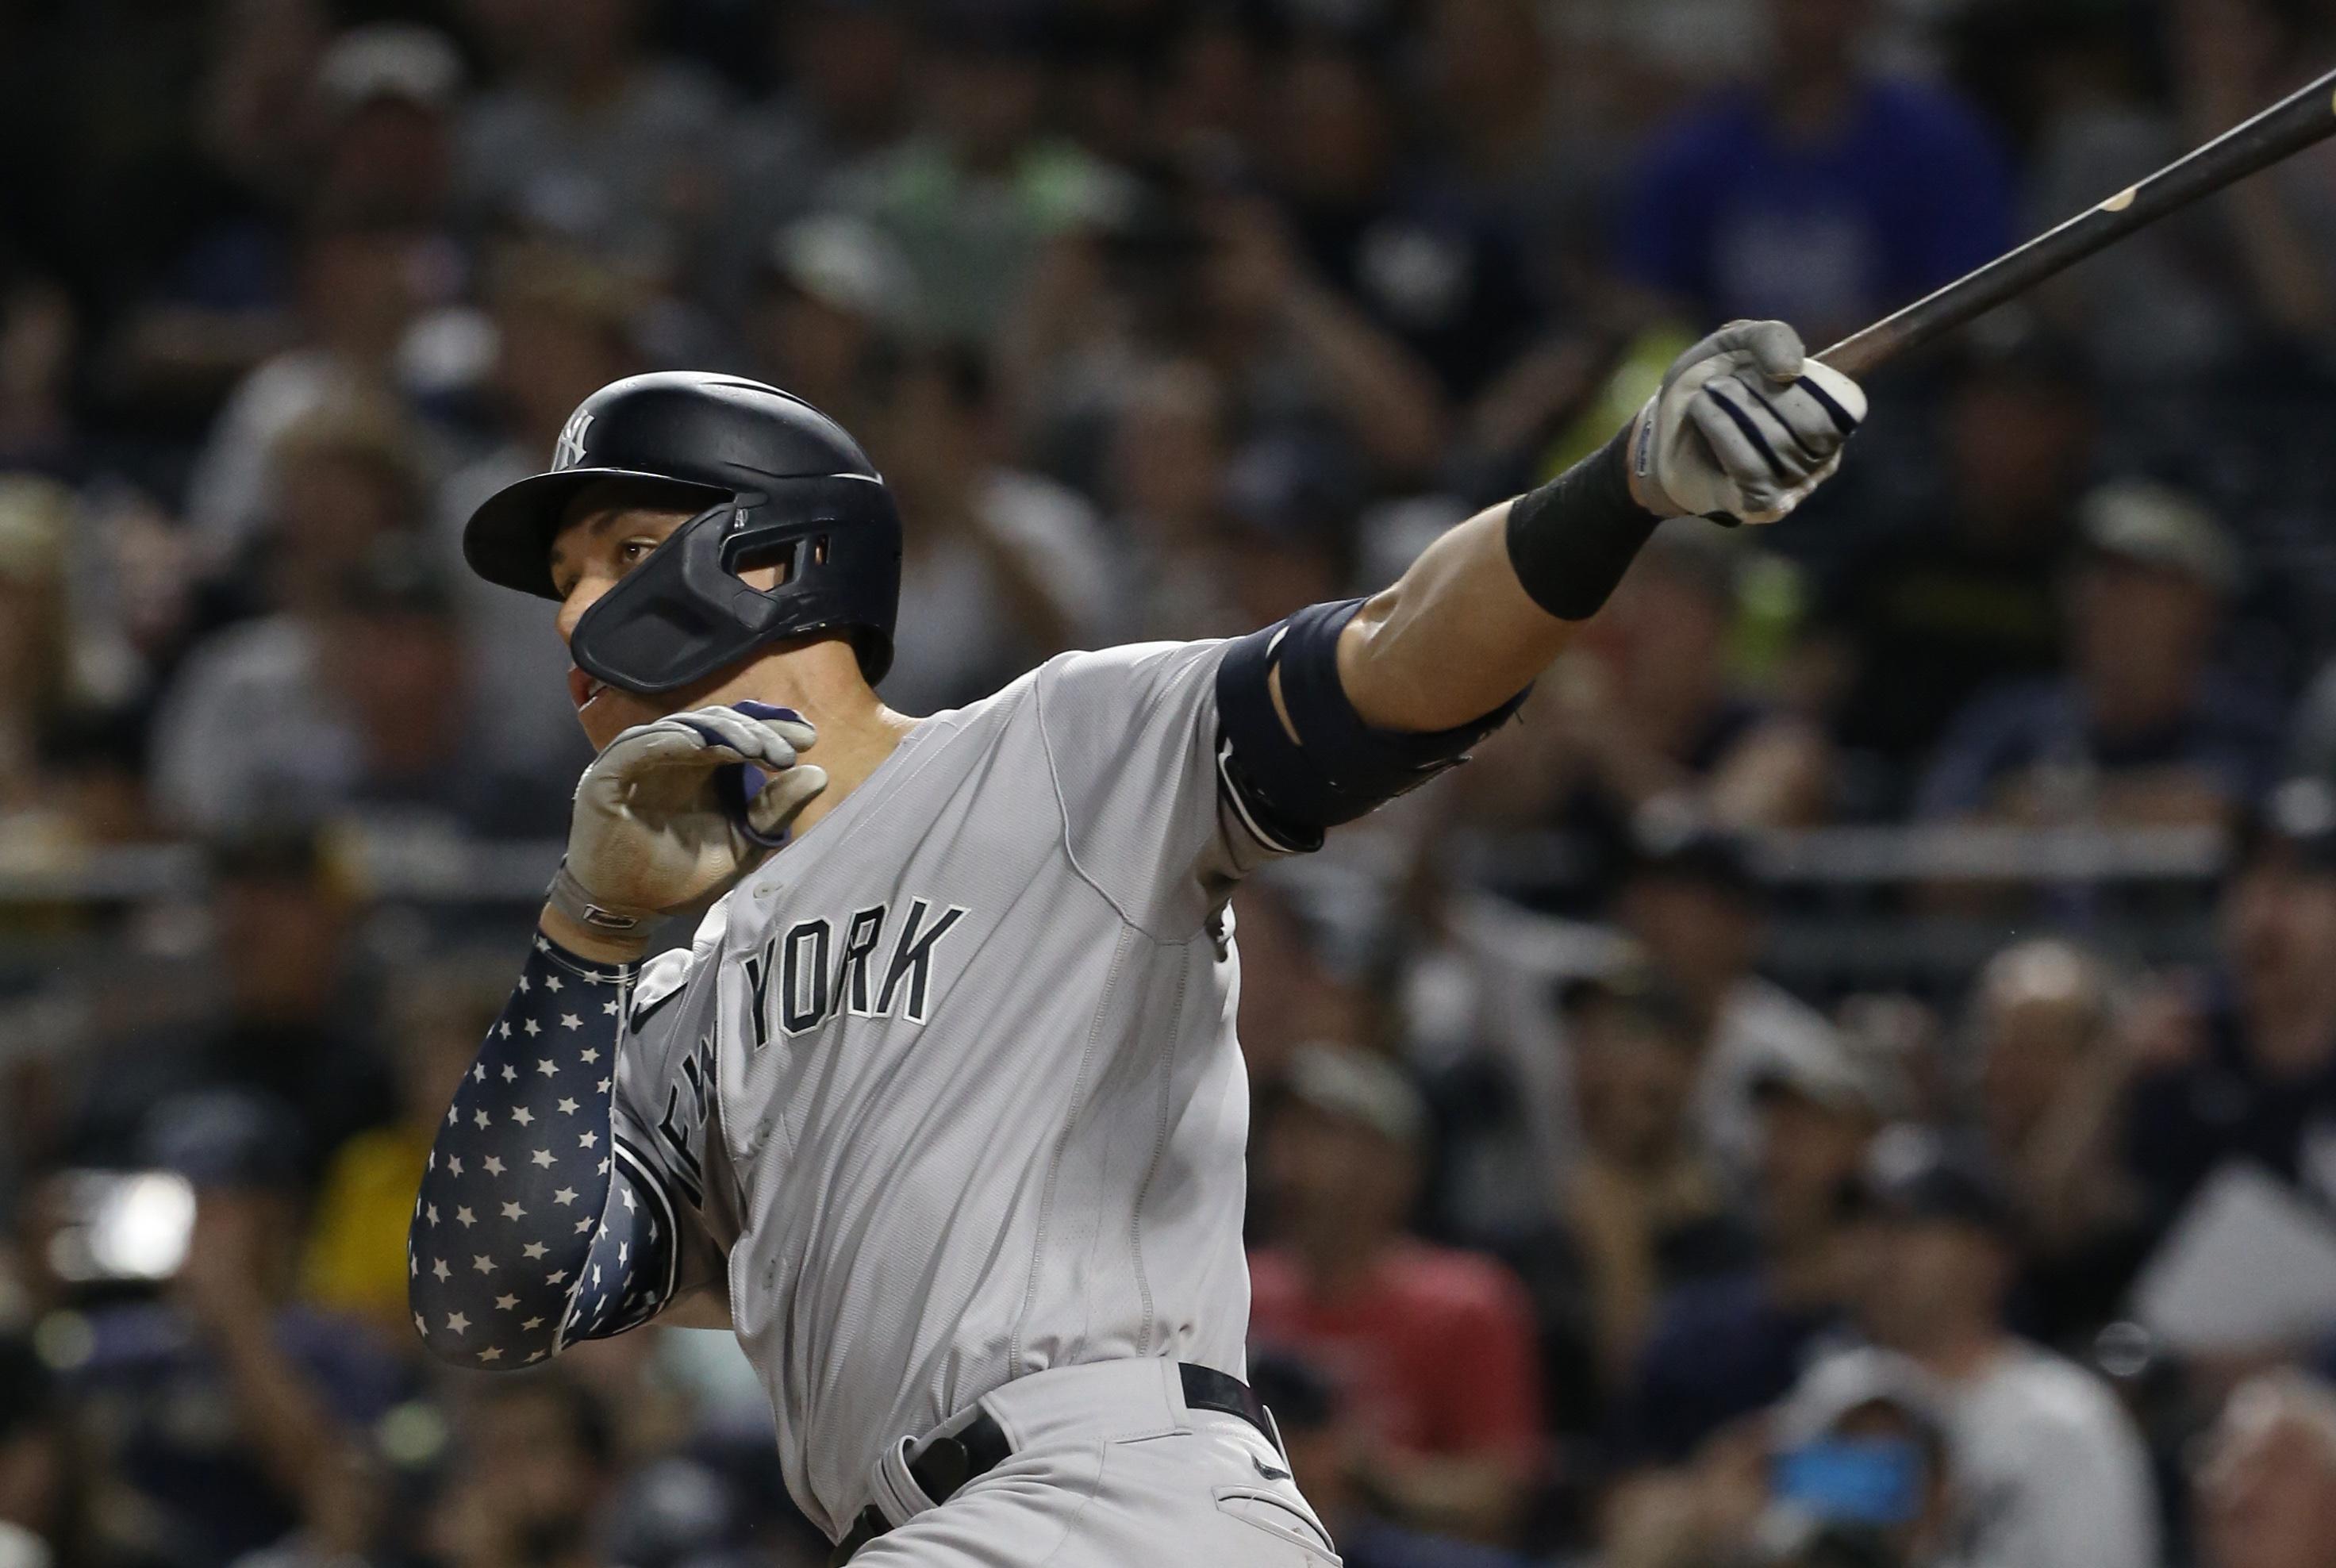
[2296, 123]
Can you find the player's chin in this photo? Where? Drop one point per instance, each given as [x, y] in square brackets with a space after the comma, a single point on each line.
[610, 710]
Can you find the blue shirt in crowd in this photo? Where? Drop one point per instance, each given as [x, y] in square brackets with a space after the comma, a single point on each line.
[2230, 737]
[1907, 190]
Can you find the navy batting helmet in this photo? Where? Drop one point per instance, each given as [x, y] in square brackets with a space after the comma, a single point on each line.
[776, 482]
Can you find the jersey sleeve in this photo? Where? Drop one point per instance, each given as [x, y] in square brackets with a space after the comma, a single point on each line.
[1132, 740]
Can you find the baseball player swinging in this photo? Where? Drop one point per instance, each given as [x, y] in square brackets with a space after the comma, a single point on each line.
[942, 1110]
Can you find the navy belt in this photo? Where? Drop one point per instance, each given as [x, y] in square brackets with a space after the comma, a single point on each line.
[948, 1464]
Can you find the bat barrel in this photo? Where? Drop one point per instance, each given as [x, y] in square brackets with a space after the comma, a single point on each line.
[2297, 122]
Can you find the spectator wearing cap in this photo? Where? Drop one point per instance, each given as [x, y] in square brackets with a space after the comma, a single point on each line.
[1435, 269]
[1691, 901]
[2143, 730]
[1725, 1346]
[1003, 567]
[365, 705]
[830, 297]
[973, 195]
[345, 482]
[289, 1019]
[1644, 1208]
[1432, 1349]
[2051, 1472]
[231, 1415]
[843, 70]
[1851, 1466]
[1323, 1444]
[361, 288]
[2249, 1072]
[594, 139]
[1821, 194]
[2053, 1066]
[1644, 719]
[1921, 617]
[2265, 1496]
[390, 91]
[565, 326]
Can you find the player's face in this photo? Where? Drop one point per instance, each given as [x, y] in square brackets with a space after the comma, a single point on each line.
[600, 542]
[605, 535]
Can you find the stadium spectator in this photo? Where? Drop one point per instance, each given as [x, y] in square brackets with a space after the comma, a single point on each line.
[845, 71]
[288, 1393]
[35, 637]
[2051, 1470]
[1005, 566]
[1691, 901]
[1852, 1466]
[360, 288]
[45, 1514]
[564, 325]
[1434, 271]
[40, 332]
[290, 1021]
[830, 296]
[2249, 1070]
[1168, 474]
[1431, 1348]
[353, 1258]
[1721, 1347]
[2144, 729]
[1925, 615]
[1326, 1453]
[1644, 1208]
[1822, 194]
[2054, 1065]
[1643, 722]
[974, 193]
[255, 694]
[533, 1460]
[592, 140]
[2266, 1496]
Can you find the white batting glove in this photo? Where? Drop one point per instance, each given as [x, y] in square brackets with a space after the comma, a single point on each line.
[1745, 426]
[655, 830]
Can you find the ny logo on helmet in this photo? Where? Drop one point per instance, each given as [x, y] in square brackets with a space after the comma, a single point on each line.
[570, 453]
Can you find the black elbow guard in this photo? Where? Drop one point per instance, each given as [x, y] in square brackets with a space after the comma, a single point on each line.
[1338, 768]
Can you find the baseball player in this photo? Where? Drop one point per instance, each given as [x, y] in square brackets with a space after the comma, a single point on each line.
[942, 1110]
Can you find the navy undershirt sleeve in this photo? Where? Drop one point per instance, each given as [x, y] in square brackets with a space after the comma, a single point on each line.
[536, 1226]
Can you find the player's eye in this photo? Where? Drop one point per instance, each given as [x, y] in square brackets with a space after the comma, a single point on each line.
[633, 551]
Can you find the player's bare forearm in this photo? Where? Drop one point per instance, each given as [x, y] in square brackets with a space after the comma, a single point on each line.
[1454, 638]
[1745, 426]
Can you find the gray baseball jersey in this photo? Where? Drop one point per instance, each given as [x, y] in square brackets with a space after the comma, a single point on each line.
[952, 1078]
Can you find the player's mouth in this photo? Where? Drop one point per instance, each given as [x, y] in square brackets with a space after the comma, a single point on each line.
[582, 687]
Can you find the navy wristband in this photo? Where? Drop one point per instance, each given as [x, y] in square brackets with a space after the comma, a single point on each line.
[1571, 541]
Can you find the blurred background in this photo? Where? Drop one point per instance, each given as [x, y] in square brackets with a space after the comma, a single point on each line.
[1849, 1079]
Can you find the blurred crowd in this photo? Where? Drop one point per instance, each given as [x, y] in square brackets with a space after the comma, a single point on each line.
[1597, 1220]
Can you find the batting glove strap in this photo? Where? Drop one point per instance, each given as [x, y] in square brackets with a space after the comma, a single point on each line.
[572, 899]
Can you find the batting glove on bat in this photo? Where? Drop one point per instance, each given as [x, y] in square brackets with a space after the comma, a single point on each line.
[1745, 426]
[659, 825]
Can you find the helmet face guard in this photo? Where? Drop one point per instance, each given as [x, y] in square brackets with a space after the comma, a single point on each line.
[686, 613]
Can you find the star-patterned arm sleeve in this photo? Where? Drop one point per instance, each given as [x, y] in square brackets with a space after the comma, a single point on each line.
[536, 1225]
